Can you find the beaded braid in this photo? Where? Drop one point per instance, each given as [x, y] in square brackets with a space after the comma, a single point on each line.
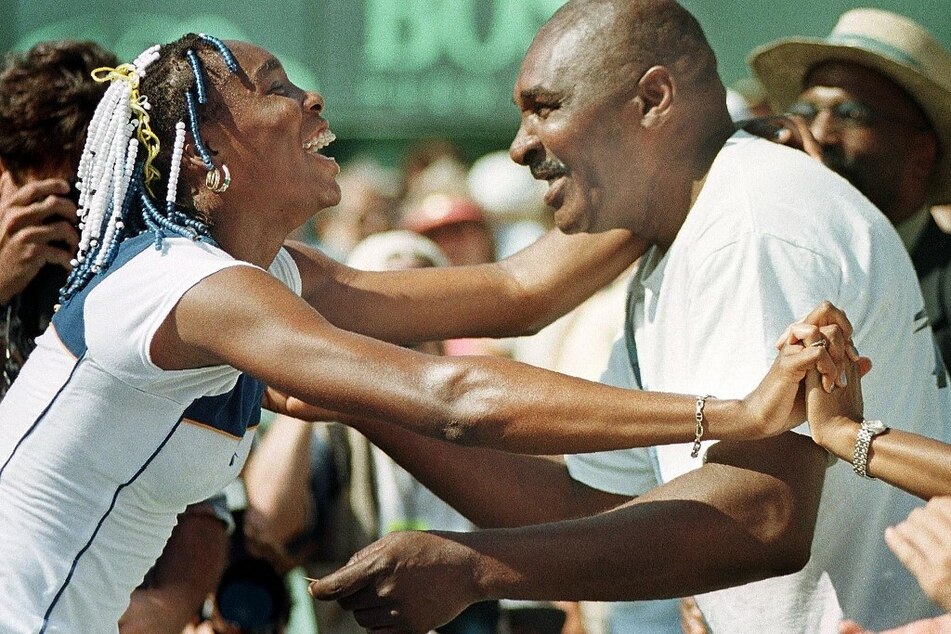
[114, 179]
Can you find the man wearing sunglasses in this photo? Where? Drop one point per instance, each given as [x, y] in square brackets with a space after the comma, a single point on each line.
[876, 95]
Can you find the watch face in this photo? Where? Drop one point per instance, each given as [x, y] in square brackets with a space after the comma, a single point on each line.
[874, 426]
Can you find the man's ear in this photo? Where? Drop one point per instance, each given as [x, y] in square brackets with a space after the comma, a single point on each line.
[656, 90]
[924, 157]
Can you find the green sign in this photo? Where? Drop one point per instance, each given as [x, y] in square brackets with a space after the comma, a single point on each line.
[415, 66]
[408, 68]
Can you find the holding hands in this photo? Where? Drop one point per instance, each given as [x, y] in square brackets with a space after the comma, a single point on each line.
[818, 348]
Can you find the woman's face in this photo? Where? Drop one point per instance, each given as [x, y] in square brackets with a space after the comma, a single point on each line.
[270, 134]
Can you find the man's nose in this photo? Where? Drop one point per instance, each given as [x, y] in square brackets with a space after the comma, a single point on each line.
[825, 128]
[523, 145]
[313, 101]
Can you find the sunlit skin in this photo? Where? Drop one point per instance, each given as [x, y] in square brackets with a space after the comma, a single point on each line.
[571, 134]
[891, 159]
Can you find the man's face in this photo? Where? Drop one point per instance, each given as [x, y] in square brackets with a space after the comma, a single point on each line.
[867, 127]
[572, 132]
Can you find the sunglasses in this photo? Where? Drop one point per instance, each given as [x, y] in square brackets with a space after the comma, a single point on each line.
[850, 115]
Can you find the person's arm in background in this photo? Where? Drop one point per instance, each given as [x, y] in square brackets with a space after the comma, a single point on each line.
[909, 461]
[183, 576]
[33, 219]
[516, 296]
[923, 544]
[277, 480]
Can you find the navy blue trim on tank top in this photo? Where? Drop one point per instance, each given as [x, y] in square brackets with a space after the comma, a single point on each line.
[232, 412]
[46, 409]
[102, 520]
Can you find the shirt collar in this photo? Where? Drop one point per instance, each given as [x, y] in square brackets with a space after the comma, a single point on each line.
[912, 228]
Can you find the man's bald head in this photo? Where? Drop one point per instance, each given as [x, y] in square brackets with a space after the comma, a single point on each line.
[621, 39]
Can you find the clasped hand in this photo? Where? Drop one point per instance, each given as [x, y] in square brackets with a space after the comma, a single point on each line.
[815, 376]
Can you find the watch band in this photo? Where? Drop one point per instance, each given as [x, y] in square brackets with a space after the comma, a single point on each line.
[863, 441]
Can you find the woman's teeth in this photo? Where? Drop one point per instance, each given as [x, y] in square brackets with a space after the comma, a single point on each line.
[319, 142]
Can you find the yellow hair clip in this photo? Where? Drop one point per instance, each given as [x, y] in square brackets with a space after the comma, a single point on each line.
[140, 106]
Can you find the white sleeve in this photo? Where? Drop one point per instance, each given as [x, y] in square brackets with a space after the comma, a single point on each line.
[285, 269]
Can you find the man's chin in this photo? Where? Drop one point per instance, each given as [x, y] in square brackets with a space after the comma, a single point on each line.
[570, 223]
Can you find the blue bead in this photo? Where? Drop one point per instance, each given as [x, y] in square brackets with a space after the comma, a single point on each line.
[199, 75]
[196, 136]
[223, 50]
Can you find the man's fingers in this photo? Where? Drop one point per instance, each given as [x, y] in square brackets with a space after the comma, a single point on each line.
[34, 191]
[342, 583]
[377, 617]
[365, 598]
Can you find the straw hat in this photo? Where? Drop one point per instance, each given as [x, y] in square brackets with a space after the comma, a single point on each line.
[894, 45]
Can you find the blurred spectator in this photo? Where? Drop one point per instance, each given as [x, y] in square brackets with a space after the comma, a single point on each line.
[736, 104]
[47, 98]
[310, 503]
[456, 223]
[754, 96]
[876, 94]
[368, 205]
[513, 201]
[418, 161]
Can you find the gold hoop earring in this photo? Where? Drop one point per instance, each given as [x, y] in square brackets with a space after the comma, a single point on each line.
[216, 181]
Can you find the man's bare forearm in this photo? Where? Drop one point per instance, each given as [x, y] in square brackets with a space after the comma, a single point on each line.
[725, 524]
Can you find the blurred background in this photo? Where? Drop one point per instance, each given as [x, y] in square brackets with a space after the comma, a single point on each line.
[394, 71]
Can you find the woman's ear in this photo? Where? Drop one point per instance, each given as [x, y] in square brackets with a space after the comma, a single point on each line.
[194, 171]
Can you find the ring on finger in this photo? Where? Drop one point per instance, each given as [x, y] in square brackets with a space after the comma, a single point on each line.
[819, 343]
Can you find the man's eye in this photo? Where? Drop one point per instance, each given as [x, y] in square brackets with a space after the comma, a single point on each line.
[278, 89]
[854, 112]
[543, 110]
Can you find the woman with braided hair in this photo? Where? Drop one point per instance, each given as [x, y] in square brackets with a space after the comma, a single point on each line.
[185, 312]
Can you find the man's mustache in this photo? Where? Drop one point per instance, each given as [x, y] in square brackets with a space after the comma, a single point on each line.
[548, 169]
